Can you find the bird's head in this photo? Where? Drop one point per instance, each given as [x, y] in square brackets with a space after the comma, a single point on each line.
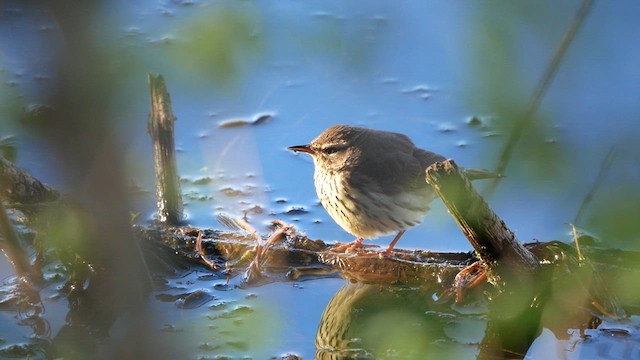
[334, 148]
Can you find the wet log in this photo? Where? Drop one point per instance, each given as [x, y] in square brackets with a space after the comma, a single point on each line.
[290, 256]
[17, 185]
[492, 240]
[161, 130]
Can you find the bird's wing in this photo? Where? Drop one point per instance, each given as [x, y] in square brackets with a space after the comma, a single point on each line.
[427, 158]
[394, 170]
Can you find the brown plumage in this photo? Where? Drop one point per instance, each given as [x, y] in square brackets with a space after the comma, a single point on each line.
[371, 182]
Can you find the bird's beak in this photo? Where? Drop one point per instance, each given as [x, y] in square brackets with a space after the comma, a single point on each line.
[302, 148]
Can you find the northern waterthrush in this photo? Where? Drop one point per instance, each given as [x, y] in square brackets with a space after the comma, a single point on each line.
[372, 182]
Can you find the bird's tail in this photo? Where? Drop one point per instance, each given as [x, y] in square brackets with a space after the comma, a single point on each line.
[476, 174]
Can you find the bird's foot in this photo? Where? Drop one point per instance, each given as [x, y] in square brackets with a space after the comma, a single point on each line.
[468, 278]
[355, 246]
[387, 253]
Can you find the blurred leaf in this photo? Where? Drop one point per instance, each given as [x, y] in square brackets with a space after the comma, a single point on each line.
[614, 215]
[66, 229]
[502, 84]
[349, 43]
[8, 148]
[540, 158]
[235, 331]
[398, 330]
[38, 116]
[11, 103]
[219, 43]
[624, 287]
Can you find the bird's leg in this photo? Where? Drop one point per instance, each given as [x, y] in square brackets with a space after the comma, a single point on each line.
[387, 252]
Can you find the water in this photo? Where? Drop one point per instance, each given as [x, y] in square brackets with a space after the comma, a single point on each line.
[420, 68]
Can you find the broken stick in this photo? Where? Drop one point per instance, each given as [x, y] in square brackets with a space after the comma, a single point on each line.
[161, 119]
[494, 243]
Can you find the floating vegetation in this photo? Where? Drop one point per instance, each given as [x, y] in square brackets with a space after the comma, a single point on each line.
[258, 119]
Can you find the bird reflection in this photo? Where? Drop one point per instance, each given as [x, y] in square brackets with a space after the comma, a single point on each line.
[364, 321]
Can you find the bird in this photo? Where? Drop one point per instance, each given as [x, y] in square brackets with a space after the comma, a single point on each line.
[372, 182]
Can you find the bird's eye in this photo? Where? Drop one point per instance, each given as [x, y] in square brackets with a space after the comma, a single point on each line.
[331, 150]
